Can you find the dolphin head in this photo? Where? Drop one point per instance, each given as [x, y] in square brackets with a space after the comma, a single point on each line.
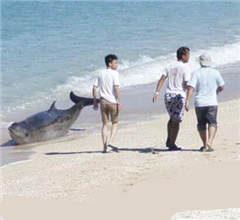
[19, 132]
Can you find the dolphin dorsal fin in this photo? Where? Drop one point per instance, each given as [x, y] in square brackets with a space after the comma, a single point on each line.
[52, 106]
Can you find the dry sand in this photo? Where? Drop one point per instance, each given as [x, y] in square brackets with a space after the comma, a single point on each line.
[142, 181]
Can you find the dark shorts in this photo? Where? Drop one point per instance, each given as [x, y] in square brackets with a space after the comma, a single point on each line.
[206, 115]
[175, 106]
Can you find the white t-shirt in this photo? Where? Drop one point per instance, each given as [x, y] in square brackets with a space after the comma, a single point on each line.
[177, 73]
[205, 81]
[106, 81]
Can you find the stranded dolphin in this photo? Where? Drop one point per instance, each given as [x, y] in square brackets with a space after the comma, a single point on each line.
[48, 124]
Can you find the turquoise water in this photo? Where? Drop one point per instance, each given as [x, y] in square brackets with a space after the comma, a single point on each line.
[51, 48]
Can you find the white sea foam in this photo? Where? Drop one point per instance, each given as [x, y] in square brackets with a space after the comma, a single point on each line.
[147, 70]
[14, 163]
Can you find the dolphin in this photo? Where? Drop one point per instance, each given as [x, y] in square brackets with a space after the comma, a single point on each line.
[48, 124]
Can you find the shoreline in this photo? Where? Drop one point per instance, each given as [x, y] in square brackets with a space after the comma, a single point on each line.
[89, 121]
[25, 151]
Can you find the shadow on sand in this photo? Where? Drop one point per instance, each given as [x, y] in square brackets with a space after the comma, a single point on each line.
[9, 143]
[118, 150]
[77, 129]
[149, 150]
[71, 153]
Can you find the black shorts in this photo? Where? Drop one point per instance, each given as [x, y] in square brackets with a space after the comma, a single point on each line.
[206, 115]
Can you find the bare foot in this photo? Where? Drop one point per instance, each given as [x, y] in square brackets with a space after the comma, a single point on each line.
[206, 149]
[209, 146]
[105, 148]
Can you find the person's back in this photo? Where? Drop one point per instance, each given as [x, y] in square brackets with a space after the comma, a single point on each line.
[107, 79]
[207, 81]
[177, 73]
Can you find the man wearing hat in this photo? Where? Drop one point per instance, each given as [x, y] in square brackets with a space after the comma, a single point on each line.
[207, 82]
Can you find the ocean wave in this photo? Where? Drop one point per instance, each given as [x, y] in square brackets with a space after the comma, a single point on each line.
[147, 70]
[132, 73]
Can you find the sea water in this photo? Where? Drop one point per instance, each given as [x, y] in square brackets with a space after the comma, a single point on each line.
[49, 48]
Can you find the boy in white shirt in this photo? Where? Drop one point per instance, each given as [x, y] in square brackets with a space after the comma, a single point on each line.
[178, 75]
[110, 102]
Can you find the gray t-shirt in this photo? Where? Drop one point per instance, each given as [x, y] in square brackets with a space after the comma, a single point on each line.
[205, 81]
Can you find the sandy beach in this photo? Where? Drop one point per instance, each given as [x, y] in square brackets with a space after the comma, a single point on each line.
[158, 183]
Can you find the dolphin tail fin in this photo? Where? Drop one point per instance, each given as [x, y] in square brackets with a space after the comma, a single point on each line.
[77, 99]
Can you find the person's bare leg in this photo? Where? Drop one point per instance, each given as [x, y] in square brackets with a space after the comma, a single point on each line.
[203, 136]
[169, 127]
[211, 135]
[113, 132]
[104, 136]
[174, 132]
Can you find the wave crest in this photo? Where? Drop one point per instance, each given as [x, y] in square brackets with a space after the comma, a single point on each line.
[147, 70]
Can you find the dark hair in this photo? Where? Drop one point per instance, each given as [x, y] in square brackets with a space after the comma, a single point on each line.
[182, 51]
[109, 58]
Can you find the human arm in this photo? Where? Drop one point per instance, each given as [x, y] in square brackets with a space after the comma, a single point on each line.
[220, 89]
[118, 95]
[117, 89]
[187, 75]
[190, 91]
[191, 86]
[220, 83]
[159, 86]
[95, 102]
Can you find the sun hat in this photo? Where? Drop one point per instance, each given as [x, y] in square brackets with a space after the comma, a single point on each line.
[204, 60]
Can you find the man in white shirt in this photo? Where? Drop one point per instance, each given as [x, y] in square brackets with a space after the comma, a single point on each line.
[207, 83]
[110, 102]
[178, 75]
